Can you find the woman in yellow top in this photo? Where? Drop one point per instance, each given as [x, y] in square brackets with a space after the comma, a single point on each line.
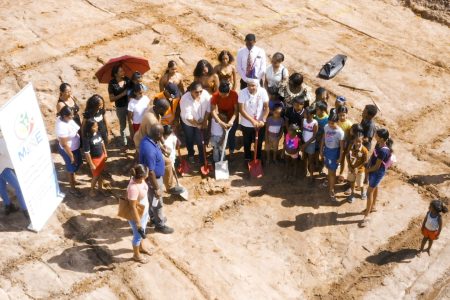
[346, 126]
[226, 69]
[171, 75]
[204, 74]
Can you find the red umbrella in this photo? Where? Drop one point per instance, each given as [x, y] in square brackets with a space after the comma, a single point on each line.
[130, 64]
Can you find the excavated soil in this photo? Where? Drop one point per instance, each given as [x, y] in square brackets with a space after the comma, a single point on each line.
[244, 238]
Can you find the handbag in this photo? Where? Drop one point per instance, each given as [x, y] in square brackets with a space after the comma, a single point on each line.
[126, 209]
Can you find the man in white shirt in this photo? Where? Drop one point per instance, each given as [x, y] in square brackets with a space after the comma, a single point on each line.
[194, 113]
[253, 104]
[251, 61]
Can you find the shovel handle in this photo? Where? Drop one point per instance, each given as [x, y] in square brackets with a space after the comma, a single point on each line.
[256, 143]
[224, 144]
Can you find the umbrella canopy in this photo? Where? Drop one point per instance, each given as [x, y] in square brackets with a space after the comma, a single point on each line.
[130, 64]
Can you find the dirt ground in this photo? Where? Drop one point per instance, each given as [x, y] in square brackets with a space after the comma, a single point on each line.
[241, 239]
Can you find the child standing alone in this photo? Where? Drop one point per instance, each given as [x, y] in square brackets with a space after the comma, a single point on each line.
[432, 224]
[273, 133]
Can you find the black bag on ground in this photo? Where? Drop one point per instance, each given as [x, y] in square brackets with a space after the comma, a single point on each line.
[331, 68]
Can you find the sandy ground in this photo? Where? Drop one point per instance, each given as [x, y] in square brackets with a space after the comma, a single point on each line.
[242, 239]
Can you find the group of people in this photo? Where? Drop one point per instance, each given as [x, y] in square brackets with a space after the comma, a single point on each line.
[272, 107]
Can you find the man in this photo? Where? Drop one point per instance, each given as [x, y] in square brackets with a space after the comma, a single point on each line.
[8, 176]
[251, 61]
[154, 116]
[225, 101]
[172, 94]
[254, 109]
[150, 155]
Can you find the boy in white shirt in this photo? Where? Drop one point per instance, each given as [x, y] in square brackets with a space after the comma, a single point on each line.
[217, 136]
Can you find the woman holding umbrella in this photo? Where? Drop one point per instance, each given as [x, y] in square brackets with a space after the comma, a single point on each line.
[117, 88]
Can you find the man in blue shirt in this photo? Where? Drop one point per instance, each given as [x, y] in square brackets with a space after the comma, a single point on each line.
[151, 156]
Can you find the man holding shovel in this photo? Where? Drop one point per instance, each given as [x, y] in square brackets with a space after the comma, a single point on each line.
[254, 109]
[151, 156]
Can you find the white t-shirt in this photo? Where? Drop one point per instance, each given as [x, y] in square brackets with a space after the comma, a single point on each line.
[138, 107]
[253, 104]
[308, 129]
[68, 130]
[171, 143]
[274, 79]
[192, 109]
[216, 129]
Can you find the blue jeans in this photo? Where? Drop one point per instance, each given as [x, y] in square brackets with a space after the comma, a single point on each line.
[137, 239]
[193, 136]
[122, 113]
[9, 176]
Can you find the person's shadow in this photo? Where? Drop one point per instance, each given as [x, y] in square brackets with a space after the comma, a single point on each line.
[307, 221]
[385, 257]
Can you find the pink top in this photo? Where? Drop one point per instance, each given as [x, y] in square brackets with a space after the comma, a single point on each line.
[138, 191]
[292, 143]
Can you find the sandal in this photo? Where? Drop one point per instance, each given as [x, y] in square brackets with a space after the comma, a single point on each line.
[140, 259]
[145, 251]
[364, 222]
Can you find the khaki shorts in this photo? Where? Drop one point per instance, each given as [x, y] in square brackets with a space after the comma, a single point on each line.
[357, 177]
[272, 142]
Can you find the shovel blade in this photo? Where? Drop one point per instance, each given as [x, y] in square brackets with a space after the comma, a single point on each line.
[222, 172]
[205, 169]
[184, 167]
[255, 168]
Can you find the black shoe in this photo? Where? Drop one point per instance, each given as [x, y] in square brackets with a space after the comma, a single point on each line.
[164, 229]
[10, 209]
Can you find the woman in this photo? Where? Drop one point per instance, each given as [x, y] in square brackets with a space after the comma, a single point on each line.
[293, 88]
[171, 75]
[204, 74]
[69, 145]
[95, 109]
[137, 192]
[381, 155]
[194, 118]
[118, 93]
[225, 69]
[253, 103]
[67, 99]
[276, 73]
[95, 152]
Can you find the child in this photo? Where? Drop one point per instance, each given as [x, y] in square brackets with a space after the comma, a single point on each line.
[170, 143]
[322, 120]
[345, 125]
[309, 132]
[377, 169]
[332, 151]
[432, 224]
[368, 125]
[136, 108]
[274, 99]
[340, 101]
[217, 136]
[274, 132]
[357, 156]
[321, 96]
[291, 149]
[136, 79]
[95, 152]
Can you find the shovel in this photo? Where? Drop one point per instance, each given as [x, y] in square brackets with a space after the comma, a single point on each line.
[221, 167]
[180, 190]
[206, 168]
[255, 166]
[183, 168]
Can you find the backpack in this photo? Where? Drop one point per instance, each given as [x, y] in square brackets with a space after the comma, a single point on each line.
[391, 158]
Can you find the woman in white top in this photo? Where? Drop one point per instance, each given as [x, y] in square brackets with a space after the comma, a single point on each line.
[69, 145]
[276, 73]
[136, 107]
[253, 104]
[194, 115]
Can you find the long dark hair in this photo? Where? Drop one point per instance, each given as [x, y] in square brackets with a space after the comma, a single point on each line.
[92, 105]
[384, 134]
[223, 53]
[198, 71]
[115, 70]
[87, 132]
[170, 64]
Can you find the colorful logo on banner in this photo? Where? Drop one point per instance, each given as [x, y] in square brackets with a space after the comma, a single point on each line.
[23, 126]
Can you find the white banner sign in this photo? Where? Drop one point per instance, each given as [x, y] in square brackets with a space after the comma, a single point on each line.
[28, 147]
